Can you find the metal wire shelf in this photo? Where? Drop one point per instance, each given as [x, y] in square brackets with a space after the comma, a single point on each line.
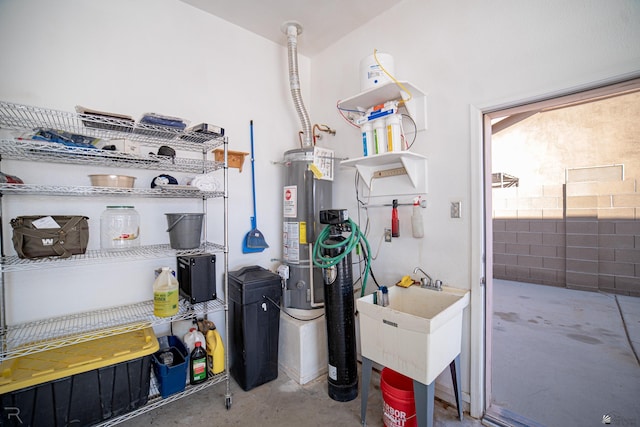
[20, 117]
[61, 190]
[41, 151]
[37, 336]
[14, 263]
[155, 400]
[23, 120]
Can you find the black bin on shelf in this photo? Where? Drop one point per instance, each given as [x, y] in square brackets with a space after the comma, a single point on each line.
[254, 309]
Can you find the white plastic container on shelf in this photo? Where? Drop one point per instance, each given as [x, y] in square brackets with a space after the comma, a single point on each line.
[193, 336]
[371, 74]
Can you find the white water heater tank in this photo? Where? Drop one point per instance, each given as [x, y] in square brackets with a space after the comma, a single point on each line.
[371, 74]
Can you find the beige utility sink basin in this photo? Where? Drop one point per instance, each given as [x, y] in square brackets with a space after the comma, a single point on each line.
[418, 334]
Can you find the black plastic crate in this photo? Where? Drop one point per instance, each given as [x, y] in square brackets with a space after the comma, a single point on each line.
[84, 398]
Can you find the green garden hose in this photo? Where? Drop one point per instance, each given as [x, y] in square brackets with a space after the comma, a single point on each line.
[349, 244]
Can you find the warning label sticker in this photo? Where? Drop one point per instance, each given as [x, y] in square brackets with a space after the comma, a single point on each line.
[333, 372]
[290, 201]
[291, 242]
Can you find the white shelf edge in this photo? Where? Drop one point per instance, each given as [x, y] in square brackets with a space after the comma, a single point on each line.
[416, 107]
[415, 165]
[379, 94]
[37, 336]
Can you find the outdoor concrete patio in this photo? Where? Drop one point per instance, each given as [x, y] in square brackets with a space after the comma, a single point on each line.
[565, 357]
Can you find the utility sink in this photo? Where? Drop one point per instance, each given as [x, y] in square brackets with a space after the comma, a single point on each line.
[418, 334]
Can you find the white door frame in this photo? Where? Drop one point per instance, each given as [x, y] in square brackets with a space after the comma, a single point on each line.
[481, 271]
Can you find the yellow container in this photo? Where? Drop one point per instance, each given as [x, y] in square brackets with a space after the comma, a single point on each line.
[165, 294]
[51, 365]
[215, 351]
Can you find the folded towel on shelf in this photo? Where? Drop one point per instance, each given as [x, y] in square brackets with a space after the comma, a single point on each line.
[206, 182]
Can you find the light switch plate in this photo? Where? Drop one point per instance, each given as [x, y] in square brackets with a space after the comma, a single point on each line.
[456, 210]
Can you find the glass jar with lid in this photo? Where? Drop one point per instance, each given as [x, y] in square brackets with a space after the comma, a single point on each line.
[119, 228]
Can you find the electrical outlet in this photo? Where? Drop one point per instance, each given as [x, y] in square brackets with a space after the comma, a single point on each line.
[387, 235]
[389, 172]
[456, 210]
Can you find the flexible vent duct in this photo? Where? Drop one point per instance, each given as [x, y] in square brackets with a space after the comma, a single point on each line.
[293, 29]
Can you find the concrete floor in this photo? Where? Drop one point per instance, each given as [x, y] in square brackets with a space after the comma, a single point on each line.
[560, 358]
[282, 402]
[565, 357]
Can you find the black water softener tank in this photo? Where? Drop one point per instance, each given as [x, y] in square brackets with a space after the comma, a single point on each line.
[254, 313]
[339, 311]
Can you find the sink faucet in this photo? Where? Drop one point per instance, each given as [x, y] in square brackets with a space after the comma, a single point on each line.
[427, 281]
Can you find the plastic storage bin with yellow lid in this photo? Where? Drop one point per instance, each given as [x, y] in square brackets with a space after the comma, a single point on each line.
[81, 384]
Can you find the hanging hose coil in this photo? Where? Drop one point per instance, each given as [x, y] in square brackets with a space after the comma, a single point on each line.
[355, 238]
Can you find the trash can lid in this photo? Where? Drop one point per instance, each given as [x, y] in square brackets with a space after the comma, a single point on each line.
[252, 274]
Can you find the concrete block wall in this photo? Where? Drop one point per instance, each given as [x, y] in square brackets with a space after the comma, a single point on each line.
[580, 235]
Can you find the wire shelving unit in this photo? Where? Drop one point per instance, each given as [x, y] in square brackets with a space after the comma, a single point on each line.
[17, 125]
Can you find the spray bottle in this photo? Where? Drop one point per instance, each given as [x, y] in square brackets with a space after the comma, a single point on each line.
[395, 220]
[416, 220]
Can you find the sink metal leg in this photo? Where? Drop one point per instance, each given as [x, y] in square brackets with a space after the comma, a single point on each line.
[454, 367]
[424, 395]
[367, 366]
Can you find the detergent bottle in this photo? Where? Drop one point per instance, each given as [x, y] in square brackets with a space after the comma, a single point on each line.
[215, 351]
[165, 294]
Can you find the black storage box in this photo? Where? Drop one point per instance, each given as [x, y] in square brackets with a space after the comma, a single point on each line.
[254, 308]
[81, 384]
[197, 277]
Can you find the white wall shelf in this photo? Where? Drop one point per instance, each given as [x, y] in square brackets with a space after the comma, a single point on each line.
[416, 106]
[414, 182]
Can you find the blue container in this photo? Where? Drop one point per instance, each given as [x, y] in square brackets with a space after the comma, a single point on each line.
[171, 377]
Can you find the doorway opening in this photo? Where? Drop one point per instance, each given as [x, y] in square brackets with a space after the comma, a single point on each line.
[563, 260]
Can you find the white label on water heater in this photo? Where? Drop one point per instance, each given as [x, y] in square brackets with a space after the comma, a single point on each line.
[333, 372]
[291, 242]
[290, 201]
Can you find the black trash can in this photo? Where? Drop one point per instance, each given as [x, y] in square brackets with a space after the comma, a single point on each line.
[254, 312]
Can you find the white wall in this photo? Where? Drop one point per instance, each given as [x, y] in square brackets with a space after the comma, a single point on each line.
[467, 53]
[133, 57]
